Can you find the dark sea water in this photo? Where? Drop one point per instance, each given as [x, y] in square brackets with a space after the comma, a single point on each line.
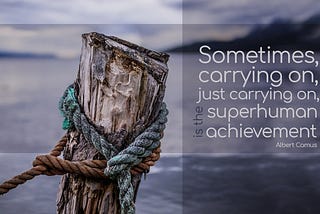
[232, 183]
[251, 184]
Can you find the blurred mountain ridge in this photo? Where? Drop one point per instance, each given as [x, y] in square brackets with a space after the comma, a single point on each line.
[280, 34]
[25, 55]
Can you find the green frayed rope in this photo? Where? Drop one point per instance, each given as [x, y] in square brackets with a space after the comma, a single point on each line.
[119, 163]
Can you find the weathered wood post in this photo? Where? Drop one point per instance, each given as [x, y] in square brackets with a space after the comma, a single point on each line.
[120, 88]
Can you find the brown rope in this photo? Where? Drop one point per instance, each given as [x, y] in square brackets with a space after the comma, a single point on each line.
[51, 164]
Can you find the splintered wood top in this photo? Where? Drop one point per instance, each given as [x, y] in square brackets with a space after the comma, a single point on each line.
[120, 85]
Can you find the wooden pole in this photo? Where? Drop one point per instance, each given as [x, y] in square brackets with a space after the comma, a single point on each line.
[120, 88]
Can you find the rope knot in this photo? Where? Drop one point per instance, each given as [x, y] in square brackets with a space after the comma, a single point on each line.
[119, 163]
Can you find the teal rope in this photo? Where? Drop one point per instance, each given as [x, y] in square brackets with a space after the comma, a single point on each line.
[119, 163]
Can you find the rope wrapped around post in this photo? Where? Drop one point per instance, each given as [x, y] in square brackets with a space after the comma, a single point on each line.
[51, 164]
[136, 158]
[119, 163]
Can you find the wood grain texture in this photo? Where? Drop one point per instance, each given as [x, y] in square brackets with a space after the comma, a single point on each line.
[120, 87]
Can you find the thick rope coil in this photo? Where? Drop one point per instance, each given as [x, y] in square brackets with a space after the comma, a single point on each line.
[119, 163]
[51, 164]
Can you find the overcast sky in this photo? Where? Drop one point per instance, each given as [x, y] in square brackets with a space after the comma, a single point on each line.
[247, 11]
[127, 19]
[90, 12]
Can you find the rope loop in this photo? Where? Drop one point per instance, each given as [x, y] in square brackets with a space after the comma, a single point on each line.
[118, 163]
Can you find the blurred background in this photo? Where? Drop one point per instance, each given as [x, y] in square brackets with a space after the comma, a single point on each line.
[40, 45]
